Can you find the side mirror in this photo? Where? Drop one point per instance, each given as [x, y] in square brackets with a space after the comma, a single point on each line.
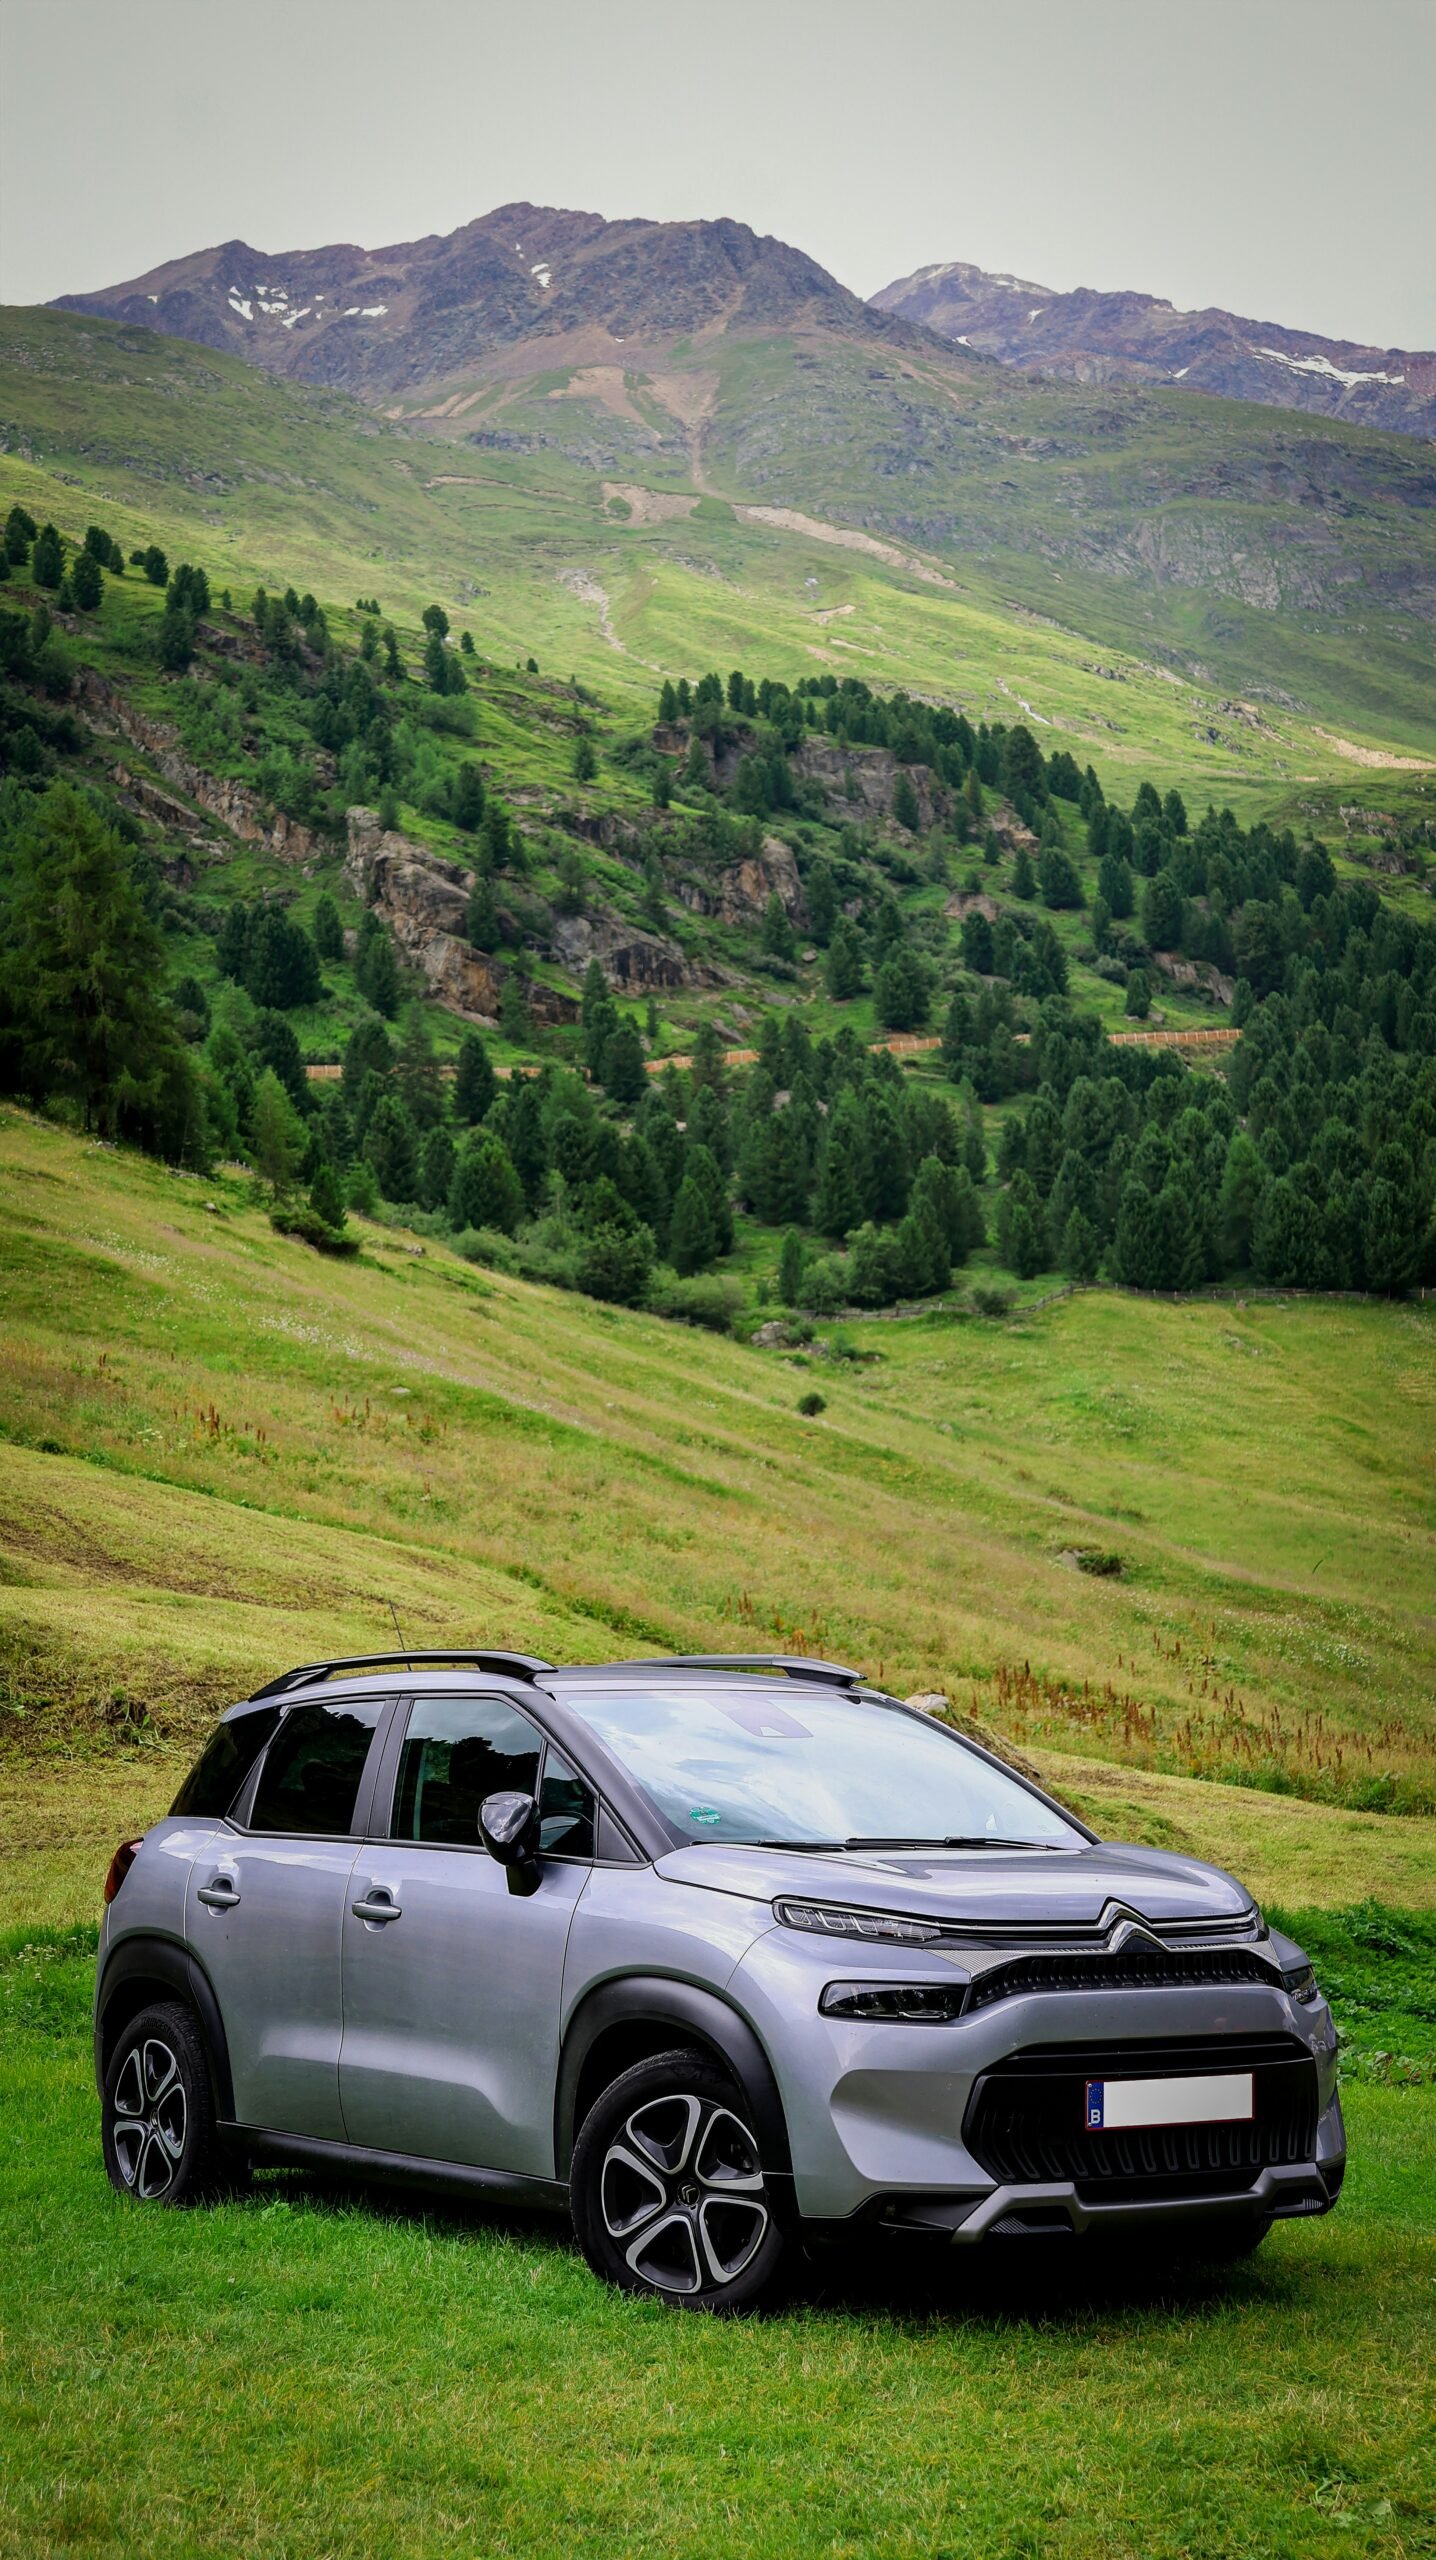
[509, 1829]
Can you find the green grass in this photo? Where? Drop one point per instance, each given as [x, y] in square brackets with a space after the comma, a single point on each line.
[318, 2370]
[226, 1451]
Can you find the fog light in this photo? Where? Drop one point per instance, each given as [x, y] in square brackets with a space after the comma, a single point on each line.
[910, 2003]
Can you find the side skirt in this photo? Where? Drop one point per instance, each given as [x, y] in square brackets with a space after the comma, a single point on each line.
[304, 2151]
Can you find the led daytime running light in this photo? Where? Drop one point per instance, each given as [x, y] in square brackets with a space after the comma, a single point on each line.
[883, 1928]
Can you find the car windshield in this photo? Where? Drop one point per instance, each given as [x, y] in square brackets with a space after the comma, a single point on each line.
[805, 1767]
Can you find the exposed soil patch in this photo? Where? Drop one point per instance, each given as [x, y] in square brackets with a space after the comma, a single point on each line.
[1370, 755]
[847, 538]
[648, 506]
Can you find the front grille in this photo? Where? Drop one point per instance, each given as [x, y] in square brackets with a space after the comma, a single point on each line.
[1025, 2119]
[1114, 1973]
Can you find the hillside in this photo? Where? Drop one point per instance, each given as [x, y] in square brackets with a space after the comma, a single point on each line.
[508, 1463]
[1087, 336]
[674, 406]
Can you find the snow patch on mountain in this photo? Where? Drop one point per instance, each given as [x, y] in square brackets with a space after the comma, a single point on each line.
[1323, 366]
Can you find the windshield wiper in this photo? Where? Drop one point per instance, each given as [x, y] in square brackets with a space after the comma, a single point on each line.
[953, 1840]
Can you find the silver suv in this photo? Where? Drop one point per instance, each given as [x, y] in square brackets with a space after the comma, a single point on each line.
[713, 1952]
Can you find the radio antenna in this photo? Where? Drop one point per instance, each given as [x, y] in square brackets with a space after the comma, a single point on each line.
[403, 1648]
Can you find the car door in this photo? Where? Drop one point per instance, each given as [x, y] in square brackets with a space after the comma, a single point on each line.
[265, 1913]
[452, 1982]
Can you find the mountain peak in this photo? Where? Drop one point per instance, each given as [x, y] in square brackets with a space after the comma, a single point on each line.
[418, 311]
[1087, 336]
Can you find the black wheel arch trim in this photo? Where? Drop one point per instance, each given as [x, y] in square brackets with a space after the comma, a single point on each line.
[169, 1962]
[699, 2016]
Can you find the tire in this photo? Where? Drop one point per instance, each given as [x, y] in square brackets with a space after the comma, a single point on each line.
[158, 2116]
[668, 2193]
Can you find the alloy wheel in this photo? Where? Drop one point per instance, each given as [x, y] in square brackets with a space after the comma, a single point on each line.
[151, 2118]
[682, 2195]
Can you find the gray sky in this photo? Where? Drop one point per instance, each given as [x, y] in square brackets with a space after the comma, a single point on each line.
[1274, 156]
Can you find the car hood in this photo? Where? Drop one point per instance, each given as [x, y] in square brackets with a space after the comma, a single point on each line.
[1054, 1886]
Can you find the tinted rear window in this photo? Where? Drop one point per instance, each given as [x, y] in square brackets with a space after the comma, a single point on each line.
[310, 1779]
[225, 1763]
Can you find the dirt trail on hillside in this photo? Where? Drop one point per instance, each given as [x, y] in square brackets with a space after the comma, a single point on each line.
[1371, 756]
[648, 506]
[847, 538]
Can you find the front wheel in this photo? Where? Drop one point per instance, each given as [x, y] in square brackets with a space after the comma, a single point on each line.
[158, 2118]
[668, 2193]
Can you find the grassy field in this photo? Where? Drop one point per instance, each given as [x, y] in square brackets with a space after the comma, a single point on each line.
[223, 1454]
[306, 2370]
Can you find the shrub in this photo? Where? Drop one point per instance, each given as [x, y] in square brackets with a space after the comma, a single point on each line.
[993, 1302]
[707, 1298]
[812, 1403]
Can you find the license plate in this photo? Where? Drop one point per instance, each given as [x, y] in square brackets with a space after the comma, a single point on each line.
[1128, 2106]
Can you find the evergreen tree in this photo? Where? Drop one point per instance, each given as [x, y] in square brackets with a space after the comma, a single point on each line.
[822, 901]
[585, 760]
[692, 1244]
[843, 968]
[436, 1167]
[778, 938]
[1139, 995]
[1114, 882]
[475, 1084]
[1163, 910]
[391, 1149]
[1057, 878]
[276, 1139]
[376, 971]
[792, 1264]
[483, 924]
[327, 930]
[1081, 1248]
[622, 1070]
[485, 1190]
[667, 704]
[83, 969]
[977, 950]
[47, 559]
[1243, 1178]
[469, 796]
[905, 802]
[703, 1166]
[417, 1071]
[900, 991]
[843, 1170]
[155, 566]
[368, 1051]
[20, 531]
[1024, 880]
[1139, 1244]
[325, 1197]
[86, 584]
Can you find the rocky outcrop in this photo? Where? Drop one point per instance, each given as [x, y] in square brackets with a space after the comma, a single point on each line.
[638, 962]
[424, 901]
[862, 780]
[233, 803]
[740, 894]
[1197, 976]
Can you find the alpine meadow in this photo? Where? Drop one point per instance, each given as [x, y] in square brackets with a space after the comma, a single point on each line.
[687, 968]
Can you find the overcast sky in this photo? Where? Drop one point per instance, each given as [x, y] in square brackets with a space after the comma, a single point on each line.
[1273, 156]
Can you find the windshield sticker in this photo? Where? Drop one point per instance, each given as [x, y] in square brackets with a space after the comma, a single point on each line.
[704, 1813]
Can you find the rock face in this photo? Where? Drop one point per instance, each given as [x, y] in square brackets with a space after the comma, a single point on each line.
[1133, 337]
[740, 894]
[424, 901]
[863, 780]
[1195, 974]
[233, 803]
[638, 962]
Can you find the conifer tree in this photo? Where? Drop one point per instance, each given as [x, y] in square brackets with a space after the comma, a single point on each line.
[475, 1084]
[485, 1190]
[692, 1244]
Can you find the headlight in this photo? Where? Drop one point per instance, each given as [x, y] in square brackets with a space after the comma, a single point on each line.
[912, 2003]
[887, 1928]
[1301, 1982]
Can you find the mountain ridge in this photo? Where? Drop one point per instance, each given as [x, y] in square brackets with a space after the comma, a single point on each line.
[1093, 337]
[419, 311]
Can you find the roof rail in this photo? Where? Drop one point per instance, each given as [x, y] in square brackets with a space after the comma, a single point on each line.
[794, 1666]
[512, 1666]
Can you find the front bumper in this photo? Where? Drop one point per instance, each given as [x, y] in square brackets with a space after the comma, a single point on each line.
[885, 2118]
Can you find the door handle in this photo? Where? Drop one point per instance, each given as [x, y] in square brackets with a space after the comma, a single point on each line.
[375, 1907]
[222, 1895]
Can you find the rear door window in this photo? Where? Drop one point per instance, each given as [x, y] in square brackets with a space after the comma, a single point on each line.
[225, 1763]
[310, 1780]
